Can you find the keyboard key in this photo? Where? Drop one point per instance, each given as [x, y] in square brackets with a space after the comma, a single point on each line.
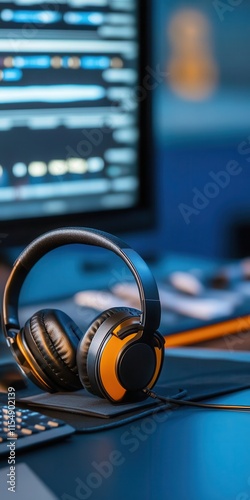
[39, 427]
[27, 432]
[53, 424]
[29, 428]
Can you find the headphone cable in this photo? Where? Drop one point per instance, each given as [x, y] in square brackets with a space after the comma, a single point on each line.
[182, 402]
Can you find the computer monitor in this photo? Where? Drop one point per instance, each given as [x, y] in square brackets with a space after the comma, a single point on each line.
[74, 116]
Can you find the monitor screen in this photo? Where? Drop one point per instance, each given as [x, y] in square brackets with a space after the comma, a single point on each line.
[71, 116]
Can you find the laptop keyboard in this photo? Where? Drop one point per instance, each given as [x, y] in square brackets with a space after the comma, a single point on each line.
[24, 428]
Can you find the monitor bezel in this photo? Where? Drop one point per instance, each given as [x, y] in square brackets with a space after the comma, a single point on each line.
[20, 232]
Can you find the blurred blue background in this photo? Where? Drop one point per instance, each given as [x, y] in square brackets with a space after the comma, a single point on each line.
[201, 133]
[201, 124]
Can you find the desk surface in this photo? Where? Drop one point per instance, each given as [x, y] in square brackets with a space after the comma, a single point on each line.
[187, 453]
[179, 455]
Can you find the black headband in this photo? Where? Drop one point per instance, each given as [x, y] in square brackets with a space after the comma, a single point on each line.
[149, 297]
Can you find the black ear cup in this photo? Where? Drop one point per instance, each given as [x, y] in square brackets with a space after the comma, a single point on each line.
[49, 341]
[113, 360]
[84, 345]
[121, 353]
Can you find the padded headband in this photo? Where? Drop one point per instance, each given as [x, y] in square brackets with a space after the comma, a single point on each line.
[149, 297]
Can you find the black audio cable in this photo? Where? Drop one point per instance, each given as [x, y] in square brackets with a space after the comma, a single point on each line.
[168, 404]
[183, 402]
[136, 416]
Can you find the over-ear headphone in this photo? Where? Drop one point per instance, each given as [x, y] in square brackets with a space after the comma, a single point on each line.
[121, 353]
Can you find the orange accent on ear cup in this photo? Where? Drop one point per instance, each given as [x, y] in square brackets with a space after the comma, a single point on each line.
[28, 366]
[110, 356]
[117, 353]
[85, 344]
[125, 325]
[51, 338]
[108, 363]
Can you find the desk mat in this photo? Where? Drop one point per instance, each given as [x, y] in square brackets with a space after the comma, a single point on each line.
[201, 378]
[83, 403]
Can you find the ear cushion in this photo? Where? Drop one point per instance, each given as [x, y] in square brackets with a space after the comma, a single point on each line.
[84, 345]
[52, 337]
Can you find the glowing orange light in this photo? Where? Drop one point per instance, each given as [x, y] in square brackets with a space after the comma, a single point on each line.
[192, 69]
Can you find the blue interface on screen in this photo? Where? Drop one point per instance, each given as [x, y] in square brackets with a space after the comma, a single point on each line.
[69, 121]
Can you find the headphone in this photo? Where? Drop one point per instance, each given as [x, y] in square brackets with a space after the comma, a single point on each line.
[121, 353]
